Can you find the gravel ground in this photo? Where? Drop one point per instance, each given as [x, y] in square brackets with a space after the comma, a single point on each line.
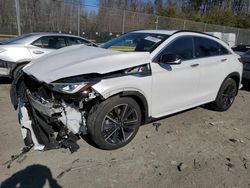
[196, 148]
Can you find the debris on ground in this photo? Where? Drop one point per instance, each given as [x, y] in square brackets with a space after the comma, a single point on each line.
[156, 125]
[75, 161]
[174, 163]
[63, 172]
[229, 165]
[196, 164]
[228, 159]
[216, 123]
[181, 167]
[18, 156]
[233, 140]
[244, 160]
[236, 140]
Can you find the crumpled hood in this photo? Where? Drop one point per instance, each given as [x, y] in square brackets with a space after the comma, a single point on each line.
[81, 59]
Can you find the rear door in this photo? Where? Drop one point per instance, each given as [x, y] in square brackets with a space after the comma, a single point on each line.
[213, 61]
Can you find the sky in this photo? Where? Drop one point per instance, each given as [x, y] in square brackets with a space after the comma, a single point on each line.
[93, 5]
[91, 2]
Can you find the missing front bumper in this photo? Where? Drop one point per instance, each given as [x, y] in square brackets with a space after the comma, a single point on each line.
[48, 120]
[49, 125]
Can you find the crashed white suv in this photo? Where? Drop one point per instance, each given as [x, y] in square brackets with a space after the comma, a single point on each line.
[108, 94]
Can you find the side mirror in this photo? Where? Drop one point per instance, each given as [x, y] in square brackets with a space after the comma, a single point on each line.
[170, 58]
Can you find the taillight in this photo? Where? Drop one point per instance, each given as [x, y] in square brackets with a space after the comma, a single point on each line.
[241, 61]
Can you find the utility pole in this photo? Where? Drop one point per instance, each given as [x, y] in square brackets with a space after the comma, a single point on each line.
[17, 3]
[248, 8]
[123, 21]
[124, 16]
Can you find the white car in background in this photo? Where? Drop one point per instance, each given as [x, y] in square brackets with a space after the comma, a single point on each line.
[17, 52]
[108, 94]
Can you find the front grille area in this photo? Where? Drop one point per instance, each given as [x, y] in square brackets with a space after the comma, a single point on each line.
[37, 87]
[42, 90]
[31, 83]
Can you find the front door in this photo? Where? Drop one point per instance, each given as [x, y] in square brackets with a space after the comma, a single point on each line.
[175, 87]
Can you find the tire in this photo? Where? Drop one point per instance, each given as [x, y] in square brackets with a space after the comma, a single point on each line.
[17, 71]
[114, 123]
[226, 96]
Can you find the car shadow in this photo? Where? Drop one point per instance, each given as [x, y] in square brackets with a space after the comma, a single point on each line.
[87, 139]
[4, 80]
[32, 176]
[246, 86]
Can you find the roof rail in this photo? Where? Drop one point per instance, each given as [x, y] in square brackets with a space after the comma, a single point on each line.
[195, 32]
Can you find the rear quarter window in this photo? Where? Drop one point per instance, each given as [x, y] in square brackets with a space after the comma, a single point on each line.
[205, 47]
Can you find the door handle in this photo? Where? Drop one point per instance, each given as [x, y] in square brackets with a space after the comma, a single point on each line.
[194, 65]
[222, 60]
[38, 52]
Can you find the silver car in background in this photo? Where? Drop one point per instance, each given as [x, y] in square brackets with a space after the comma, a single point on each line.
[17, 52]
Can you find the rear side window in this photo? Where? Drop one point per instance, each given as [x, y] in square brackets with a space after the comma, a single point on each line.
[223, 50]
[50, 42]
[205, 47]
[182, 46]
[74, 41]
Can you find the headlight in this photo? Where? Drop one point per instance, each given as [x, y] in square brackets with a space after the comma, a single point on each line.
[71, 88]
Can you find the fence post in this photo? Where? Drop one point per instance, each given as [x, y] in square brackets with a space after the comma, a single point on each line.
[78, 18]
[157, 22]
[17, 3]
[123, 21]
[184, 24]
[205, 27]
[237, 36]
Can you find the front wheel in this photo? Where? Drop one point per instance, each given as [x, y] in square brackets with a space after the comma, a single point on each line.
[226, 96]
[114, 123]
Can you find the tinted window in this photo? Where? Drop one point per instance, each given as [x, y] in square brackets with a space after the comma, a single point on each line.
[50, 42]
[74, 41]
[205, 47]
[223, 50]
[182, 46]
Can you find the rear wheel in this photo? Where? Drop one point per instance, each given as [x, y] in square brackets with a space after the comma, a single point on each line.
[114, 123]
[226, 96]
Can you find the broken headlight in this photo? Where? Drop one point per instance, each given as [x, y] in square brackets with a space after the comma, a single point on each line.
[71, 88]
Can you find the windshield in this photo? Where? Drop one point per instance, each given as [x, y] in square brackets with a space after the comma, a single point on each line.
[136, 42]
[16, 39]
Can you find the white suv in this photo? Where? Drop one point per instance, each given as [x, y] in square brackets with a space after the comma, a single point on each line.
[108, 94]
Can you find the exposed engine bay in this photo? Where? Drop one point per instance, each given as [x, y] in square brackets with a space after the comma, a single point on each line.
[50, 119]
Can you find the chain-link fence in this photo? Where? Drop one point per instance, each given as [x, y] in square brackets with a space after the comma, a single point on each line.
[93, 22]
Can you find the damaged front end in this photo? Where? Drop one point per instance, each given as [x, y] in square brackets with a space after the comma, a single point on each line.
[52, 115]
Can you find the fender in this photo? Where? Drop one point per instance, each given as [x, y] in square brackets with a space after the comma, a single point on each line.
[235, 76]
[141, 100]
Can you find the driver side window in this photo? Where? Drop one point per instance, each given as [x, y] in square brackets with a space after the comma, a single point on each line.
[182, 46]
